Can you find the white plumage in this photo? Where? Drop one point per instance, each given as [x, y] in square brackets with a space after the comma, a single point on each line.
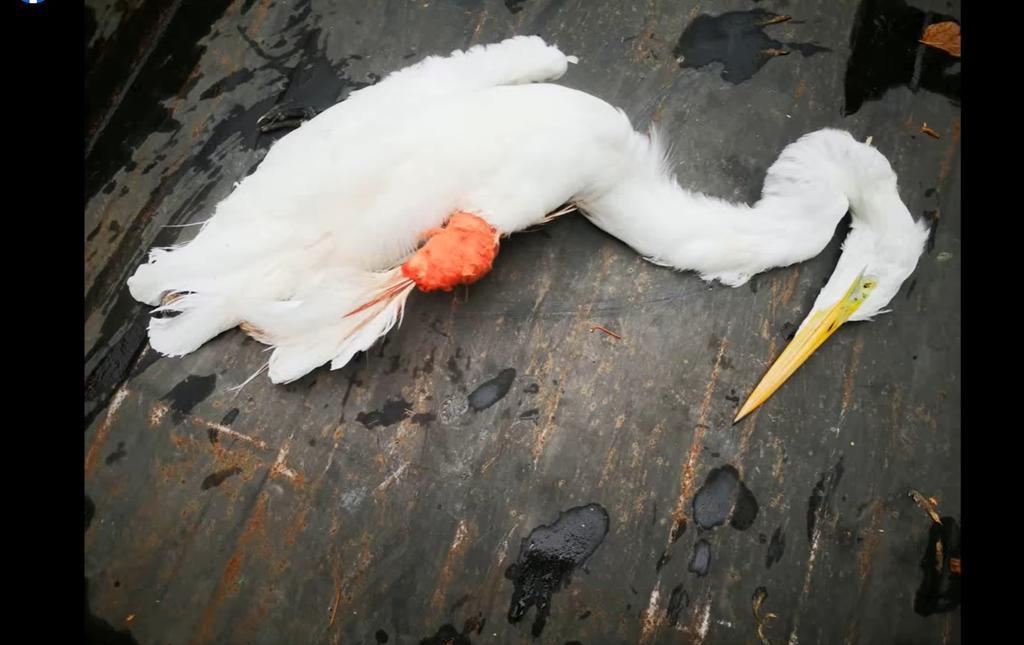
[321, 227]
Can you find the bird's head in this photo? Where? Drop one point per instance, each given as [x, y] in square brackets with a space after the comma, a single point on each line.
[878, 255]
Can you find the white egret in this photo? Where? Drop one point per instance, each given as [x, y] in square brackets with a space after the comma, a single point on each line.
[316, 252]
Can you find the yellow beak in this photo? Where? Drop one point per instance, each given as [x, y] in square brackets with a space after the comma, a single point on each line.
[810, 337]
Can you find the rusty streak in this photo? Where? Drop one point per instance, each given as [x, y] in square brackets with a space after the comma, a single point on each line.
[851, 372]
[104, 430]
[689, 470]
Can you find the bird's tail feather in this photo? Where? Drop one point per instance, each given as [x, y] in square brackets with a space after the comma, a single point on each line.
[333, 325]
[185, 321]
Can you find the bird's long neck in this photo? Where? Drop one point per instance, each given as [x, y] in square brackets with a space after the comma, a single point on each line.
[806, 193]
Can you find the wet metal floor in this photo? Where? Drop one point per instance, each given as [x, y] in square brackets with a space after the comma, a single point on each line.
[498, 469]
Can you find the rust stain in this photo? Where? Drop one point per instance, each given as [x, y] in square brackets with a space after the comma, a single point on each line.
[92, 456]
[895, 406]
[260, 16]
[799, 89]
[652, 616]
[608, 466]
[689, 470]
[479, 26]
[851, 372]
[463, 536]
[852, 634]
[227, 585]
[790, 287]
[344, 585]
[947, 157]
[658, 110]
[156, 415]
[867, 551]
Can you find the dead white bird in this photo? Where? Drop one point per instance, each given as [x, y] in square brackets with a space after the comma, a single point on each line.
[316, 252]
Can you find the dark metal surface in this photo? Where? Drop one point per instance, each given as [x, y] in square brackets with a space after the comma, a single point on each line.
[374, 502]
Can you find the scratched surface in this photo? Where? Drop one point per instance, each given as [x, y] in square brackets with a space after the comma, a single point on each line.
[374, 504]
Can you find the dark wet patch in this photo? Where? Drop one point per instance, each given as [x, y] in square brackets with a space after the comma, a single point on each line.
[117, 455]
[585, 615]
[530, 415]
[216, 479]
[188, 394]
[98, 630]
[454, 371]
[424, 418]
[940, 586]
[737, 40]
[90, 511]
[165, 73]
[788, 330]
[547, 558]
[819, 504]
[514, 6]
[381, 636]
[393, 411]
[532, 388]
[227, 83]
[776, 548]
[724, 497]
[446, 635]
[112, 361]
[700, 561]
[492, 391]
[745, 511]
[230, 417]
[474, 623]
[885, 53]
[676, 603]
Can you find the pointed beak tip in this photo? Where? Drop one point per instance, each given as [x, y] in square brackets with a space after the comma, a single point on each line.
[812, 334]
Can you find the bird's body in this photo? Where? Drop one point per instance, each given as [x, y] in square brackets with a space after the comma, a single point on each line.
[301, 251]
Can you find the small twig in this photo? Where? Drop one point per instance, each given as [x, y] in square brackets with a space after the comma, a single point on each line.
[774, 20]
[931, 133]
[607, 331]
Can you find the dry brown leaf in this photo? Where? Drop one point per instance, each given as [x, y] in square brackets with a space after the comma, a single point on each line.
[954, 565]
[775, 52]
[931, 133]
[944, 36]
[927, 504]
